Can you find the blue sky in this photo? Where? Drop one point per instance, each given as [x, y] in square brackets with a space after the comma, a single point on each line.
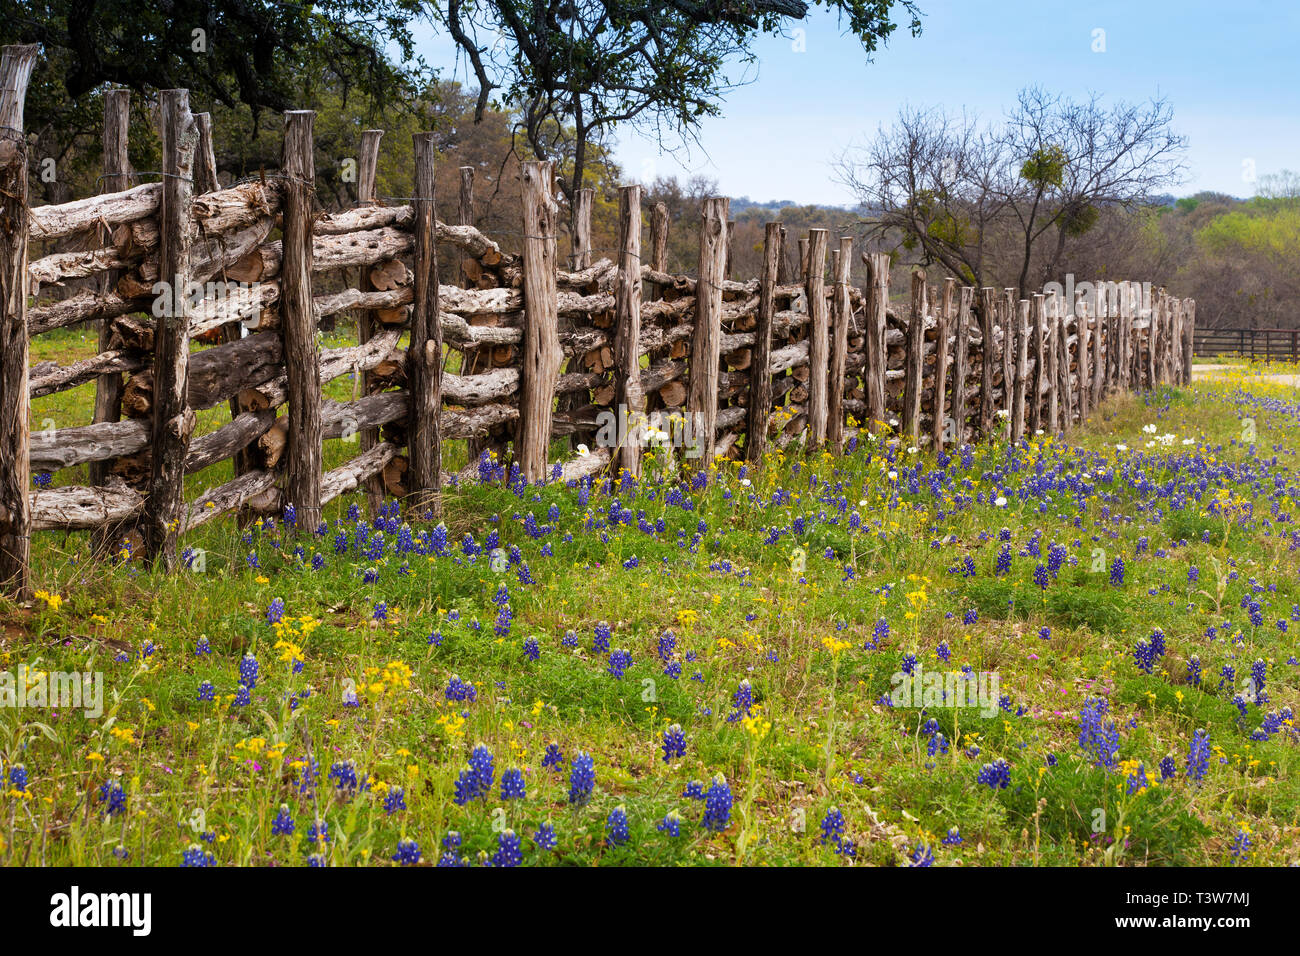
[1228, 70]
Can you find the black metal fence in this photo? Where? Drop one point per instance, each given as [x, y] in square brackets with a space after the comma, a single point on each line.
[1256, 345]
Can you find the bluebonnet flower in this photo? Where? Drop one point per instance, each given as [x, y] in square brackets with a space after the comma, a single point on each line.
[743, 699]
[394, 800]
[717, 805]
[1117, 571]
[952, 838]
[1097, 736]
[113, 797]
[545, 837]
[616, 829]
[1198, 756]
[512, 785]
[600, 642]
[509, 851]
[1241, 845]
[582, 779]
[922, 856]
[619, 661]
[408, 853]
[248, 669]
[283, 824]
[671, 824]
[995, 775]
[552, 757]
[674, 743]
[195, 856]
[207, 692]
[532, 650]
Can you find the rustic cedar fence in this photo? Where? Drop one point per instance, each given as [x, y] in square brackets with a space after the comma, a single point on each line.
[544, 351]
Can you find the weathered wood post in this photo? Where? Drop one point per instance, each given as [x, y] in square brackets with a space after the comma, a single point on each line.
[1099, 358]
[914, 360]
[1065, 392]
[1022, 370]
[542, 354]
[1038, 311]
[1053, 314]
[117, 169]
[874, 344]
[803, 260]
[173, 422]
[943, 321]
[1007, 319]
[583, 200]
[839, 345]
[760, 374]
[16, 65]
[818, 332]
[367, 319]
[298, 322]
[1126, 335]
[989, 356]
[464, 216]
[629, 399]
[1189, 335]
[961, 366]
[1153, 338]
[424, 355]
[1083, 351]
[205, 159]
[783, 264]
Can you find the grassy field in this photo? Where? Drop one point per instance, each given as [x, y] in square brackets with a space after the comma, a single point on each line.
[708, 667]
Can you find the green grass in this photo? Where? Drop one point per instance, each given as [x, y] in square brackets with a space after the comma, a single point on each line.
[819, 736]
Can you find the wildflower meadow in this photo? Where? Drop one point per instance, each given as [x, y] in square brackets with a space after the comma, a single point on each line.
[1073, 651]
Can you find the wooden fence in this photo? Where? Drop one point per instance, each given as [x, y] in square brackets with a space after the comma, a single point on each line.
[1257, 345]
[543, 351]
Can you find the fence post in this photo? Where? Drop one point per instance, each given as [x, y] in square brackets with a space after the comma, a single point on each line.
[582, 203]
[783, 263]
[989, 354]
[424, 355]
[1038, 312]
[874, 344]
[542, 354]
[818, 337]
[1053, 366]
[803, 260]
[108, 388]
[298, 320]
[15, 464]
[760, 374]
[1007, 317]
[367, 320]
[961, 366]
[629, 399]
[1066, 394]
[1022, 370]
[1128, 338]
[173, 421]
[1189, 332]
[943, 318]
[1082, 353]
[914, 360]
[839, 345]
[1098, 355]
